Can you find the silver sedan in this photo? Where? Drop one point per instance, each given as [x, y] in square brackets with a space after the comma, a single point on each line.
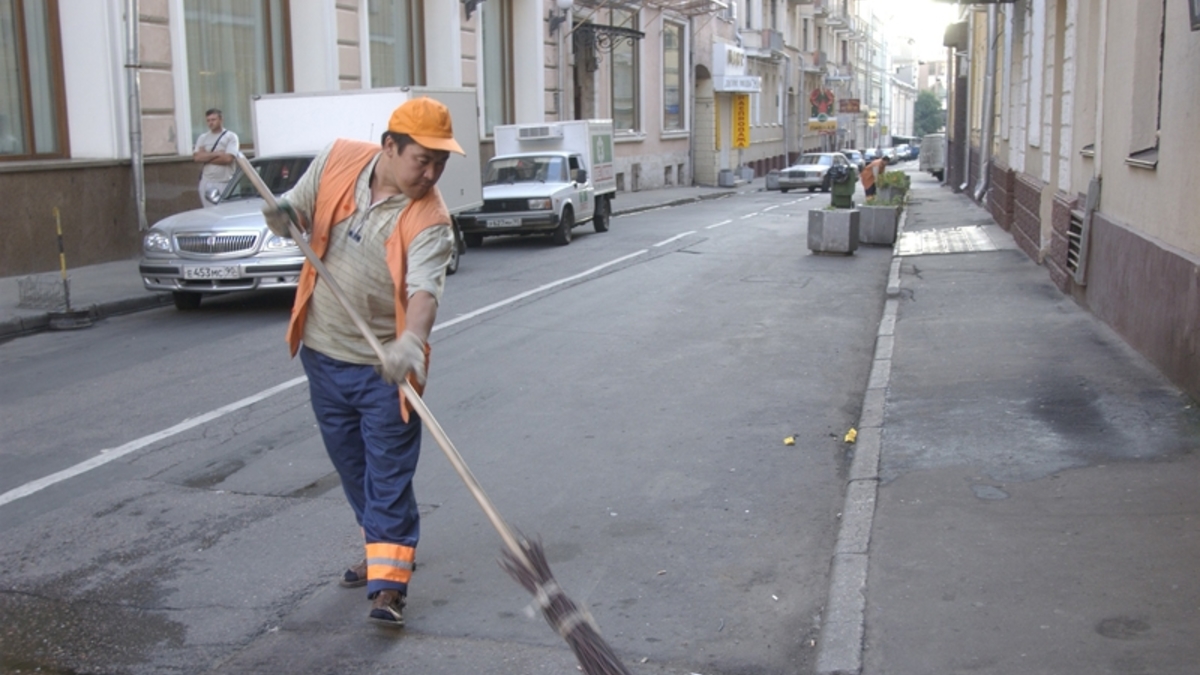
[811, 171]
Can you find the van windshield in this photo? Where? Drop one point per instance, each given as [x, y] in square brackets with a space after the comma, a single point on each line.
[529, 169]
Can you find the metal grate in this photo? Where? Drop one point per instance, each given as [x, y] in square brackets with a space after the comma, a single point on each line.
[216, 244]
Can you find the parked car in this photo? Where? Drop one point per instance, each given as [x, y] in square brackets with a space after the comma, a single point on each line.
[870, 155]
[904, 152]
[228, 247]
[856, 158]
[811, 171]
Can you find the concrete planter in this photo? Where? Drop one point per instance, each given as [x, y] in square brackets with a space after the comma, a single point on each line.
[833, 230]
[877, 224]
[888, 194]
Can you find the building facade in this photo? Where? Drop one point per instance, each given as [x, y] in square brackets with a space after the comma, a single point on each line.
[1073, 123]
[105, 98]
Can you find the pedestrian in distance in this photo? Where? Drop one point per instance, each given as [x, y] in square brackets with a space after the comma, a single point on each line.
[872, 172]
[215, 149]
[378, 222]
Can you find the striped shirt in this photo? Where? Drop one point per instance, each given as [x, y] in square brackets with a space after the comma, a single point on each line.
[355, 257]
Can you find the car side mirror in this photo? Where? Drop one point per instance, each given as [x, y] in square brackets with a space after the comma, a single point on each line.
[581, 175]
[213, 195]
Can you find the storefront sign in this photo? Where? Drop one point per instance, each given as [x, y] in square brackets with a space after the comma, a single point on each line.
[848, 105]
[741, 120]
[746, 83]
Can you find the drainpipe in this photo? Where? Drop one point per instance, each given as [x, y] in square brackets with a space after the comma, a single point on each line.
[132, 67]
[966, 139]
[989, 105]
[1102, 54]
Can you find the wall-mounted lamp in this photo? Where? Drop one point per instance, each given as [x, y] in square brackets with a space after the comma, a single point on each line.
[558, 18]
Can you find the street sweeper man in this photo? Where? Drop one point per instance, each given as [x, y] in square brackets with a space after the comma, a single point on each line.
[377, 221]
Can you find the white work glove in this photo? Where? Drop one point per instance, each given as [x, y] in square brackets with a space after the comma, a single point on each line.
[279, 216]
[402, 356]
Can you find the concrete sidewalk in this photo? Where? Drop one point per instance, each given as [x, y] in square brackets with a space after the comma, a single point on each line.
[1023, 494]
[115, 288]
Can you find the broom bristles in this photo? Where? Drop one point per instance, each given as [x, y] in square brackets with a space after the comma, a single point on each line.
[567, 619]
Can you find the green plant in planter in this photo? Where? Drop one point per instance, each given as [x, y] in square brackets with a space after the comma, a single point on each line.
[894, 179]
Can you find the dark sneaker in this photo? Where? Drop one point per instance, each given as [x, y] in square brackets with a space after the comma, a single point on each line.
[388, 609]
[355, 577]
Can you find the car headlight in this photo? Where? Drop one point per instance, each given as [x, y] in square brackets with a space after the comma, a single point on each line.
[275, 242]
[156, 242]
[539, 205]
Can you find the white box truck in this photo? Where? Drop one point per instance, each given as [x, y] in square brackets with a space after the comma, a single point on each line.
[546, 179]
[286, 124]
[933, 155]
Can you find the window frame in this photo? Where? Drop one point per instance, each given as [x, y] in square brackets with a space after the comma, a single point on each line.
[505, 49]
[414, 42]
[277, 71]
[634, 47]
[55, 84]
[683, 80]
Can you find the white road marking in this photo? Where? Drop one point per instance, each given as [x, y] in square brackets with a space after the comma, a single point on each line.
[748, 215]
[111, 454]
[664, 242]
[723, 222]
[544, 287]
[770, 208]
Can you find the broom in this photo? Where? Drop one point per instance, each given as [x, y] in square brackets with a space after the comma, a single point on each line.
[523, 559]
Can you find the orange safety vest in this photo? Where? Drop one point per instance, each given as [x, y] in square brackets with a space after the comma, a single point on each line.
[335, 203]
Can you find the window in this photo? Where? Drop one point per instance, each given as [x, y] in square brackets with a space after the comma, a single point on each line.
[804, 36]
[31, 98]
[235, 49]
[624, 75]
[397, 43]
[496, 26]
[1146, 116]
[673, 113]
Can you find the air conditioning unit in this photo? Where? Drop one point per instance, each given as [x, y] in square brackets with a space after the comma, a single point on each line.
[539, 132]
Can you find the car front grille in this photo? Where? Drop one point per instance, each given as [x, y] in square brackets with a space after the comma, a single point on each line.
[216, 244]
[803, 174]
[505, 205]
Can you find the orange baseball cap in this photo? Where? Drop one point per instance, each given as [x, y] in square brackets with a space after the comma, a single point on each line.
[428, 122]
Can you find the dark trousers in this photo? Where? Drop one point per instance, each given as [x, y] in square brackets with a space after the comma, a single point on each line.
[375, 452]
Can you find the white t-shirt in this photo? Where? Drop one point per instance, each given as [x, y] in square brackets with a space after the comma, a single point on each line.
[210, 142]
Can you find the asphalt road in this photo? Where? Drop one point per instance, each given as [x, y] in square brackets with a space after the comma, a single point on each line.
[625, 398]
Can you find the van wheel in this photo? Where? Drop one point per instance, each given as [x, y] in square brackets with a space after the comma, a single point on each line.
[602, 215]
[472, 239]
[456, 249]
[562, 235]
[185, 302]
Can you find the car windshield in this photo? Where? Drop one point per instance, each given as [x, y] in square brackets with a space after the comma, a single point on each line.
[823, 160]
[526, 170]
[280, 174]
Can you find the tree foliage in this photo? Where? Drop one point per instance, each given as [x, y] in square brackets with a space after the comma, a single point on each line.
[928, 115]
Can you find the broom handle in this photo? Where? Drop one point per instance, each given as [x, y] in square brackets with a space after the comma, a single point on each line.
[439, 435]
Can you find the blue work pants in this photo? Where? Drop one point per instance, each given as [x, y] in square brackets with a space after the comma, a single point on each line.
[374, 451]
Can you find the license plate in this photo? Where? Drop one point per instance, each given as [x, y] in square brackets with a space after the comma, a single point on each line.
[504, 222]
[225, 272]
